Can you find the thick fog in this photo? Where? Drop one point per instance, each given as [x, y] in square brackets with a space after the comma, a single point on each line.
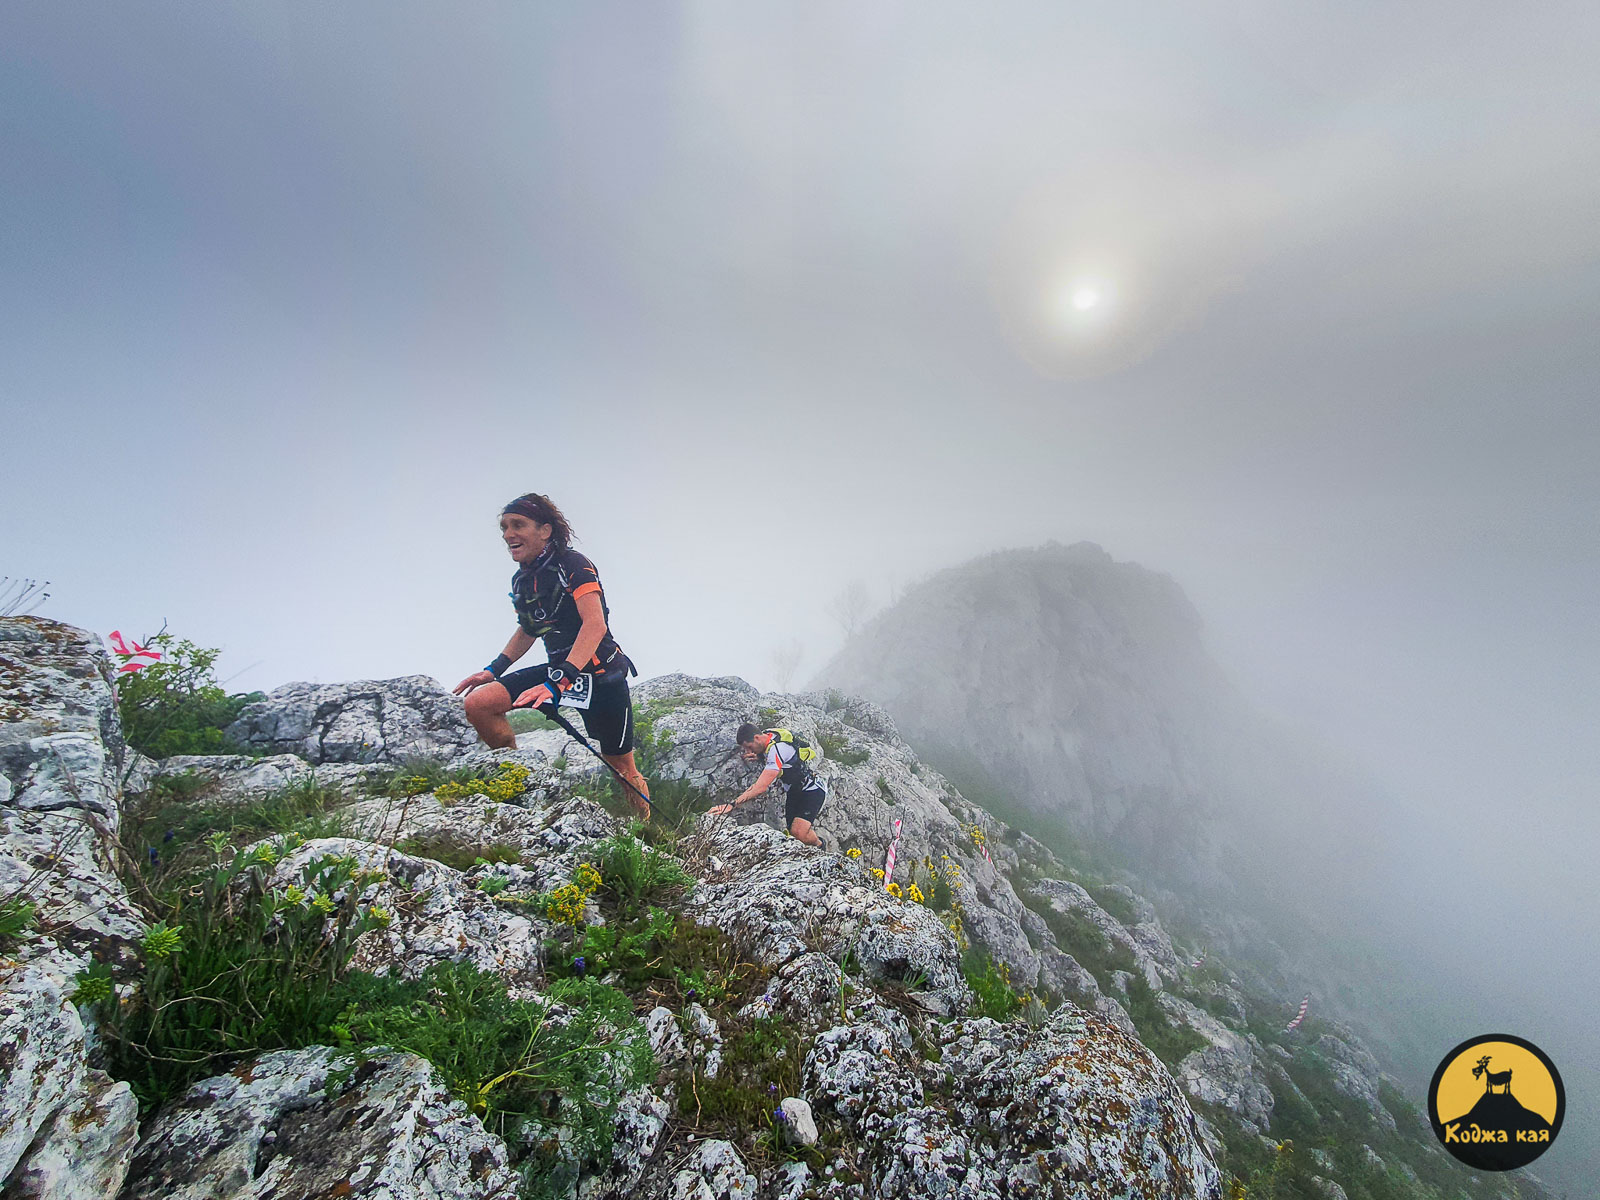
[1295, 304]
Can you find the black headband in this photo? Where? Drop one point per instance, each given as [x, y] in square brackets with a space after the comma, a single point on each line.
[526, 508]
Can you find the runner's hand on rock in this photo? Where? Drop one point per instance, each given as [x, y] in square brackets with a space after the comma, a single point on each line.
[720, 810]
[476, 680]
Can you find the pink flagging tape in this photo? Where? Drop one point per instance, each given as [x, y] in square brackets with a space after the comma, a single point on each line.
[894, 849]
[1199, 962]
[139, 657]
[1299, 1016]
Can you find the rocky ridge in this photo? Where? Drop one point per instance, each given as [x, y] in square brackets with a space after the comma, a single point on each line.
[909, 1092]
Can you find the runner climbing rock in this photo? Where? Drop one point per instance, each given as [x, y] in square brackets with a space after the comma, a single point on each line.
[784, 756]
[557, 595]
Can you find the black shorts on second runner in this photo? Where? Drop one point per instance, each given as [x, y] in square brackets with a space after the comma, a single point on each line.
[803, 804]
[608, 719]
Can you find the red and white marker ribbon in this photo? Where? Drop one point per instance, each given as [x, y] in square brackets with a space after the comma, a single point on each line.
[139, 657]
[1299, 1016]
[894, 849]
[1196, 964]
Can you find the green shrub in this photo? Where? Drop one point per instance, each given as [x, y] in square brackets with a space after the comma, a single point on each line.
[176, 706]
[167, 829]
[761, 1064]
[526, 1069]
[840, 750]
[993, 995]
[635, 874]
[179, 788]
[302, 808]
[442, 847]
[235, 967]
[1119, 906]
[1084, 940]
[18, 915]
[414, 777]
[664, 957]
[529, 720]
[1169, 1042]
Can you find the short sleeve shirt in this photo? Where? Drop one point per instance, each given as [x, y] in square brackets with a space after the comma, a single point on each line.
[545, 594]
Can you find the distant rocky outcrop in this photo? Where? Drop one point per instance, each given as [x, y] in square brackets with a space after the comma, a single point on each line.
[1076, 684]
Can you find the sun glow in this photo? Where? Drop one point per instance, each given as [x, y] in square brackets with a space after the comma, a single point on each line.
[1083, 305]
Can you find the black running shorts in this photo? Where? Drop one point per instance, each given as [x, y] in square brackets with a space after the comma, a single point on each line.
[609, 718]
[804, 803]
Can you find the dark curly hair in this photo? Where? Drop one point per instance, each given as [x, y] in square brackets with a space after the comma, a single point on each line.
[543, 510]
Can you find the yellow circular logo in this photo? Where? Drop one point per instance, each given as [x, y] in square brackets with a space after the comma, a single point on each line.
[1496, 1102]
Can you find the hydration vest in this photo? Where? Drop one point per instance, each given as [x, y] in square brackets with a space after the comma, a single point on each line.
[798, 773]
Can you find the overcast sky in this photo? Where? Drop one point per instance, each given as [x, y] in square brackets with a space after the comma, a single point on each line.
[1294, 302]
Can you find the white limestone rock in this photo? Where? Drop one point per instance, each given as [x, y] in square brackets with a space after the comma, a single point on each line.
[278, 1128]
[42, 1057]
[641, 1124]
[791, 1181]
[436, 916]
[1074, 1108]
[84, 1152]
[797, 1126]
[715, 1172]
[385, 720]
[865, 1072]
[1226, 1072]
[60, 754]
[666, 1039]
[784, 899]
[1070, 899]
[1356, 1074]
[60, 744]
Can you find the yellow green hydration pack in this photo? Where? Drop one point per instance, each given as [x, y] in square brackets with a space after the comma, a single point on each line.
[804, 750]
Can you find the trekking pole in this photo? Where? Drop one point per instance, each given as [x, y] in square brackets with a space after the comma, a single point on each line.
[554, 714]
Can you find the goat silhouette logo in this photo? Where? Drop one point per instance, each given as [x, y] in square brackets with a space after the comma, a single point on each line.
[1497, 1102]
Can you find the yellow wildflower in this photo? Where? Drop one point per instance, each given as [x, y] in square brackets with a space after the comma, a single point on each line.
[893, 889]
[566, 905]
[914, 893]
[853, 852]
[877, 872]
[587, 878]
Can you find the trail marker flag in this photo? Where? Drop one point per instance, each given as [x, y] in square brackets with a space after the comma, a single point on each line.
[894, 849]
[1299, 1016]
[136, 657]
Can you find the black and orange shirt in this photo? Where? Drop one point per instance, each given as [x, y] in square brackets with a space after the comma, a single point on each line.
[545, 594]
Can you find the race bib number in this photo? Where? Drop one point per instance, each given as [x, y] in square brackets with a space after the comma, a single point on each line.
[580, 693]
